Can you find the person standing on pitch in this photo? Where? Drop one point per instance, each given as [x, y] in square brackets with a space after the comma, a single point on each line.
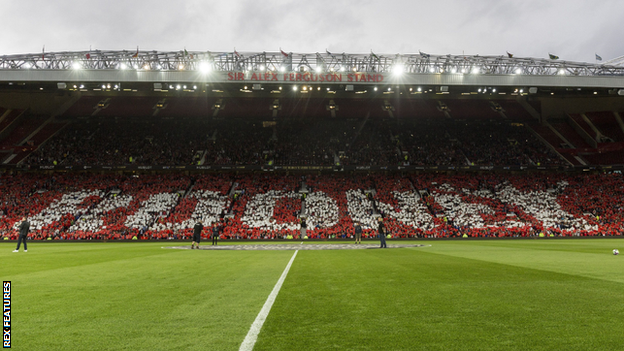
[23, 234]
[197, 229]
[215, 233]
[382, 232]
[358, 233]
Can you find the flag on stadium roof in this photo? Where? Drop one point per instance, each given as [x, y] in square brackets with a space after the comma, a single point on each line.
[137, 53]
[88, 56]
[423, 54]
[374, 56]
[236, 53]
[185, 52]
[553, 57]
[509, 54]
[598, 57]
[329, 53]
[283, 53]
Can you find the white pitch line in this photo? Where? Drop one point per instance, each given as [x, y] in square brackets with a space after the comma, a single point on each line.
[256, 326]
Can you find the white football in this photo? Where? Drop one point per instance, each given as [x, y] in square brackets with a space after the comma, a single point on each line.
[616, 252]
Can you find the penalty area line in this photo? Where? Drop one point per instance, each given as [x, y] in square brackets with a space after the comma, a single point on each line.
[256, 326]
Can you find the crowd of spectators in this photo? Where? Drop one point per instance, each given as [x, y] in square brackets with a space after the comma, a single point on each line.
[471, 142]
[86, 206]
[108, 141]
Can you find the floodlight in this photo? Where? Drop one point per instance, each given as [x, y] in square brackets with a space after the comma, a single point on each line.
[319, 69]
[204, 67]
[518, 71]
[475, 70]
[397, 70]
[76, 65]
[294, 87]
[123, 66]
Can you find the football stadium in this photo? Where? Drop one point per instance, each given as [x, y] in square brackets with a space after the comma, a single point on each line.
[198, 200]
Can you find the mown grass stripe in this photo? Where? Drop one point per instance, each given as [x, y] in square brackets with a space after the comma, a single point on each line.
[256, 326]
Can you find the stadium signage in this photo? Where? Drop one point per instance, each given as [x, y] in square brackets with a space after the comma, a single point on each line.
[303, 168]
[305, 77]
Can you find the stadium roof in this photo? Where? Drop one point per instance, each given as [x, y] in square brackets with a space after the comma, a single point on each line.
[326, 68]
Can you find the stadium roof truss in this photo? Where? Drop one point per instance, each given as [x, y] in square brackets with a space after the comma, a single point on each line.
[196, 66]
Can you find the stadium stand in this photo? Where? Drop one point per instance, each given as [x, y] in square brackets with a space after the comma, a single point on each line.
[87, 206]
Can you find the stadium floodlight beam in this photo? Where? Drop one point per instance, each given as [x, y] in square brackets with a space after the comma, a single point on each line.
[204, 67]
[398, 70]
[76, 65]
[123, 66]
[476, 70]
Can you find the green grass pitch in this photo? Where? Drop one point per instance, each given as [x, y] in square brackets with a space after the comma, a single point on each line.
[453, 295]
